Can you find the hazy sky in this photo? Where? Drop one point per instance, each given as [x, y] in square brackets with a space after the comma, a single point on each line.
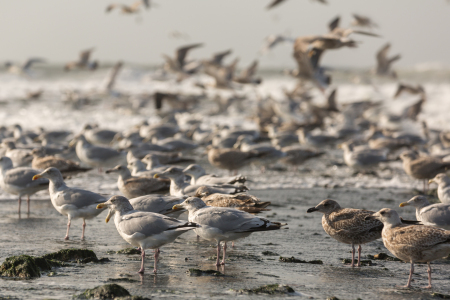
[58, 29]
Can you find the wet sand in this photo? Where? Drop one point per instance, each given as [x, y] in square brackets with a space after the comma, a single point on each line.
[247, 267]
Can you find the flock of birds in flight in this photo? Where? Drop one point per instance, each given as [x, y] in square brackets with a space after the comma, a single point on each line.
[219, 207]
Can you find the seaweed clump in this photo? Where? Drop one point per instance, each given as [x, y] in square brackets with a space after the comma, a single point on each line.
[270, 289]
[300, 261]
[198, 272]
[108, 291]
[22, 266]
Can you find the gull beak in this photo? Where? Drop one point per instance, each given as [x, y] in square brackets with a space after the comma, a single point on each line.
[102, 205]
[177, 207]
[108, 217]
[72, 143]
[156, 176]
[339, 146]
[312, 209]
[35, 177]
[109, 171]
[403, 204]
[430, 181]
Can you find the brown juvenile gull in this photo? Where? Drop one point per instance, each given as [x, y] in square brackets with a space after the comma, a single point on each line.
[443, 191]
[348, 225]
[412, 243]
[423, 167]
[73, 202]
[223, 224]
[199, 176]
[145, 230]
[65, 166]
[133, 187]
[436, 215]
[230, 159]
[19, 181]
[178, 187]
[241, 201]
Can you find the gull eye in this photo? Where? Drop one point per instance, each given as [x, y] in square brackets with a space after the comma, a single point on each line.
[382, 213]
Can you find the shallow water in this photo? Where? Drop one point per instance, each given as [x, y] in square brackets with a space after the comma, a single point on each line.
[43, 231]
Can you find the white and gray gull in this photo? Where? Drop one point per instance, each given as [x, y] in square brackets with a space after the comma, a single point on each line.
[145, 230]
[74, 203]
[437, 215]
[443, 190]
[19, 181]
[222, 224]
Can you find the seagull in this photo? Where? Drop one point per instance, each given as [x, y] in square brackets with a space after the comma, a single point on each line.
[19, 181]
[348, 225]
[410, 89]
[83, 61]
[241, 201]
[25, 68]
[437, 215]
[178, 63]
[66, 167]
[424, 167]
[363, 21]
[223, 224]
[273, 40]
[443, 191]
[178, 187]
[412, 243]
[199, 176]
[133, 187]
[73, 202]
[129, 9]
[384, 63]
[247, 75]
[95, 156]
[145, 230]
[363, 159]
[157, 204]
[230, 159]
[98, 136]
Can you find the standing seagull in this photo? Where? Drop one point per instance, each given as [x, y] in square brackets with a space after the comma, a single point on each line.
[19, 181]
[224, 224]
[436, 215]
[348, 225]
[412, 243]
[145, 230]
[73, 202]
[443, 190]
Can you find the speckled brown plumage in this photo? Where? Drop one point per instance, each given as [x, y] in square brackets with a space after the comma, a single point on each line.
[241, 201]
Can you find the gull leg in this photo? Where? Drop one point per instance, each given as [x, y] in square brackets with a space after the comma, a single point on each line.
[224, 253]
[84, 227]
[141, 270]
[218, 254]
[411, 271]
[28, 204]
[232, 244]
[429, 276]
[353, 256]
[67, 232]
[198, 238]
[359, 256]
[156, 260]
[20, 202]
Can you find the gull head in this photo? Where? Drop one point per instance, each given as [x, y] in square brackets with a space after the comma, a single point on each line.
[49, 173]
[416, 201]
[326, 207]
[408, 155]
[386, 216]
[190, 204]
[78, 137]
[172, 173]
[203, 191]
[121, 169]
[151, 159]
[5, 162]
[440, 178]
[115, 204]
